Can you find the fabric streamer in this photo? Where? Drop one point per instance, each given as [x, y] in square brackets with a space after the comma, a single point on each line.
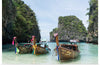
[55, 34]
[34, 47]
[13, 40]
[33, 51]
[58, 52]
[17, 50]
[31, 39]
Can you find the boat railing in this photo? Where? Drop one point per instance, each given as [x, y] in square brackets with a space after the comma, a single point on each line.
[73, 47]
[66, 48]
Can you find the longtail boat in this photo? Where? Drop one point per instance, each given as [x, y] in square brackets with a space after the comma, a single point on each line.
[38, 49]
[66, 51]
[26, 48]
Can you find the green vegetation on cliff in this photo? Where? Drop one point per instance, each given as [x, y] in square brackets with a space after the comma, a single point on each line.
[18, 20]
[93, 21]
[55, 30]
[70, 27]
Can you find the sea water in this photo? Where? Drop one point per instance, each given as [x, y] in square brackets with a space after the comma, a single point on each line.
[88, 55]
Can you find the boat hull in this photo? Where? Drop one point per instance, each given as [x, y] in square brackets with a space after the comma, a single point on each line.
[29, 49]
[66, 54]
[24, 50]
[41, 50]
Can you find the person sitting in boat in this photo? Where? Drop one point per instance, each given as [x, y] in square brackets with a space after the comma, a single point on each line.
[39, 45]
[47, 47]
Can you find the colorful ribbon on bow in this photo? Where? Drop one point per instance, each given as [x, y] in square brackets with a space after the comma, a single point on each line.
[32, 38]
[13, 40]
[34, 45]
[34, 48]
[58, 52]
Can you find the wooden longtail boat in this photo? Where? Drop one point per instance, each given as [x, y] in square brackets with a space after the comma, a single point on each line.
[41, 50]
[38, 49]
[27, 48]
[66, 51]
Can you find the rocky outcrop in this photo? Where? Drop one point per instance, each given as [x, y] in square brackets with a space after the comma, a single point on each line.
[52, 34]
[93, 22]
[18, 20]
[69, 27]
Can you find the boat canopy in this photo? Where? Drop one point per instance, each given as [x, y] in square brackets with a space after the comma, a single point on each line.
[73, 41]
[43, 40]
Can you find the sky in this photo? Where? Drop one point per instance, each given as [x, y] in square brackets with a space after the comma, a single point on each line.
[48, 11]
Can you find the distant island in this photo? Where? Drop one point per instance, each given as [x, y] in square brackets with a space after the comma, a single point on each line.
[69, 27]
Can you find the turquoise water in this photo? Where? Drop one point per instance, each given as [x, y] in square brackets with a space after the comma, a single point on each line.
[88, 55]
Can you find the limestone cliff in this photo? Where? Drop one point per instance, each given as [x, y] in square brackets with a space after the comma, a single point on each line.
[18, 20]
[69, 27]
[93, 22]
